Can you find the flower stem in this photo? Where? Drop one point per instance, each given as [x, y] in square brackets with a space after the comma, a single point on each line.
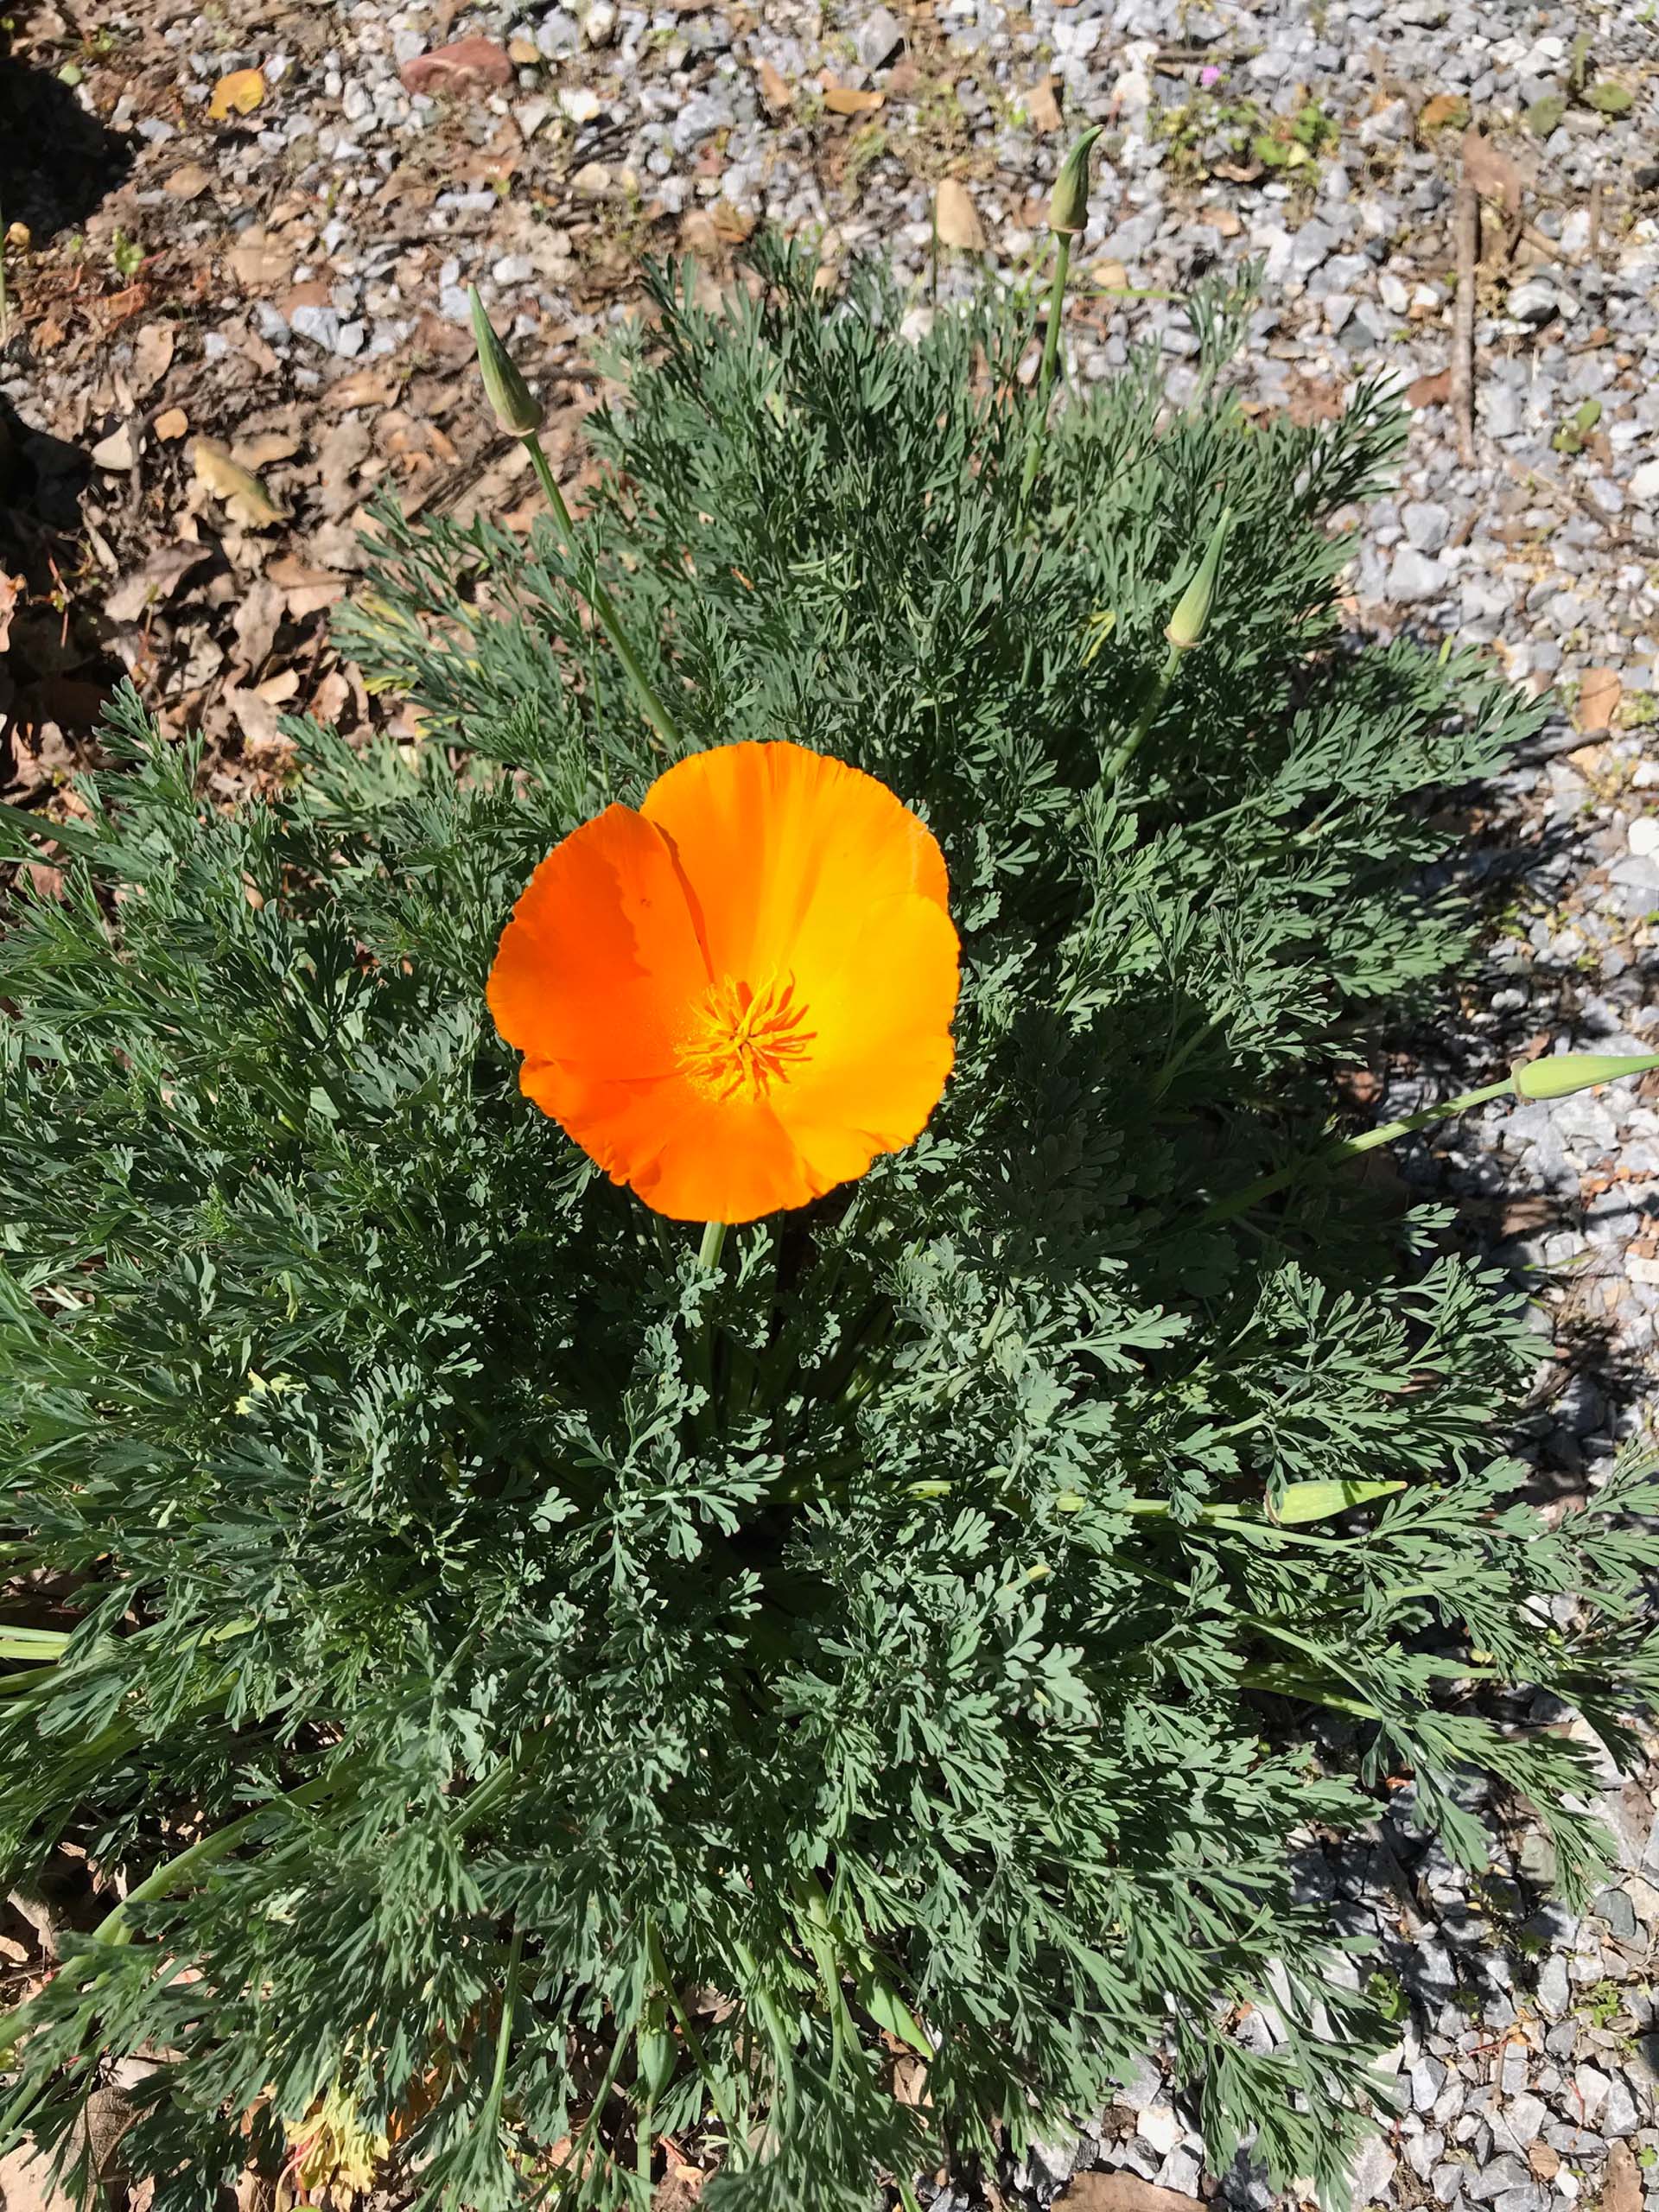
[1131, 745]
[1050, 358]
[1349, 1148]
[712, 1244]
[601, 602]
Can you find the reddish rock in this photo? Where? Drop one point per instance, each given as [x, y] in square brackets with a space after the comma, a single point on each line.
[458, 69]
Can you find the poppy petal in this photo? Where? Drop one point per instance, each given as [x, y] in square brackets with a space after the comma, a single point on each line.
[601, 956]
[880, 1014]
[774, 839]
[687, 1155]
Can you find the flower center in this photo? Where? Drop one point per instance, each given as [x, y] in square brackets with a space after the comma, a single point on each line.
[742, 1040]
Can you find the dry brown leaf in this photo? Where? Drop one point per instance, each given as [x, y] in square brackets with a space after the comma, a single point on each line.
[238, 94]
[11, 588]
[775, 88]
[189, 183]
[264, 447]
[361, 387]
[1621, 2188]
[1491, 172]
[1545, 2162]
[1430, 391]
[171, 425]
[255, 622]
[1599, 693]
[154, 583]
[1120, 2192]
[1042, 108]
[1221, 220]
[305, 590]
[278, 690]
[842, 99]
[152, 356]
[956, 219]
[245, 498]
[257, 265]
[1443, 108]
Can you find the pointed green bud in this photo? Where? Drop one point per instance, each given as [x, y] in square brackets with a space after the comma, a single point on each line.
[1562, 1073]
[515, 408]
[1319, 1501]
[1068, 207]
[1185, 626]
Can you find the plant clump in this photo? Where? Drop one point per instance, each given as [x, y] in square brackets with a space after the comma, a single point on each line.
[838, 1707]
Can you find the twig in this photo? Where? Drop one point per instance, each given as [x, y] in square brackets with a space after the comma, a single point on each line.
[1467, 223]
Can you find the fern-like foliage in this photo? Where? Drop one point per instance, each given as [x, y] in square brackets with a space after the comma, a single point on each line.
[582, 1684]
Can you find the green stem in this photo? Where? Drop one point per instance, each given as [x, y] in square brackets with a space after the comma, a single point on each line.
[1051, 359]
[1131, 745]
[735, 2135]
[115, 1928]
[602, 604]
[1330, 1155]
[712, 1244]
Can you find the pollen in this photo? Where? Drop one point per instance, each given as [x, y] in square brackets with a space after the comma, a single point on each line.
[741, 1041]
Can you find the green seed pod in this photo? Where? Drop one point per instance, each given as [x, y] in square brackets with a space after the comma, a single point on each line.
[1560, 1074]
[513, 404]
[655, 2050]
[1068, 207]
[1320, 1501]
[1185, 626]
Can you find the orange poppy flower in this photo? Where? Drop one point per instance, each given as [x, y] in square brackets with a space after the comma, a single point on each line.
[736, 997]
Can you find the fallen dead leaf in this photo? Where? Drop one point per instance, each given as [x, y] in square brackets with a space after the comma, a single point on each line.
[361, 387]
[1120, 2192]
[1042, 107]
[1221, 220]
[255, 622]
[257, 265]
[188, 183]
[10, 589]
[453, 69]
[152, 357]
[1545, 2162]
[1491, 171]
[171, 425]
[245, 498]
[256, 718]
[524, 53]
[154, 583]
[306, 591]
[1443, 109]
[264, 448]
[238, 94]
[1430, 391]
[278, 690]
[842, 99]
[775, 88]
[1621, 2188]
[1599, 693]
[956, 219]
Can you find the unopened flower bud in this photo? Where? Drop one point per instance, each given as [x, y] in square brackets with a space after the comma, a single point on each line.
[1068, 207]
[1185, 626]
[1560, 1074]
[514, 406]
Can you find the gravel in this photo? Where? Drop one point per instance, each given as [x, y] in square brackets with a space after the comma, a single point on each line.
[340, 223]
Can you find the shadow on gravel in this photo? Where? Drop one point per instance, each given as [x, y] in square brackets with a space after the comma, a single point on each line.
[56, 160]
[1548, 1190]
